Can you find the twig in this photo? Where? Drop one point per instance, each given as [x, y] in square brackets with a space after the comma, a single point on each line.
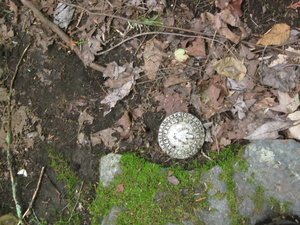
[72, 212]
[202, 34]
[35, 193]
[206, 156]
[60, 33]
[9, 140]
[138, 21]
[148, 33]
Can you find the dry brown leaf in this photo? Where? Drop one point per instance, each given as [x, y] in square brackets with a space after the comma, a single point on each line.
[117, 94]
[173, 79]
[195, 47]
[231, 67]
[173, 180]
[138, 112]
[125, 122]
[286, 103]
[294, 131]
[264, 104]
[119, 75]
[120, 188]
[153, 56]
[269, 130]
[171, 102]
[85, 117]
[105, 137]
[278, 35]
[13, 7]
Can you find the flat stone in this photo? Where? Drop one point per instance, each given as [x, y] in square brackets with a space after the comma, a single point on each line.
[109, 168]
[275, 167]
[112, 217]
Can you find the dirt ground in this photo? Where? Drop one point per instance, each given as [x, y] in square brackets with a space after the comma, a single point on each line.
[53, 89]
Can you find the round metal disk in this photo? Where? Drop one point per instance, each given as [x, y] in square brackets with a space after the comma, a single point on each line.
[181, 135]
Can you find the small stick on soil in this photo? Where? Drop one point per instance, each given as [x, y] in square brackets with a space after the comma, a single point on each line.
[60, 33]
[9, 140]
[35, 193]
[206, 156]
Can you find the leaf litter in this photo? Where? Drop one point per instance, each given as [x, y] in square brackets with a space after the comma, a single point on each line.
[231, 88]
[240, 93]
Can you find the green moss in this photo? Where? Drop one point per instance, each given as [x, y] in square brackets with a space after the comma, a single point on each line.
[229, 157]
[280, 208]
[147, 197]
[259, 199]
[61, 166]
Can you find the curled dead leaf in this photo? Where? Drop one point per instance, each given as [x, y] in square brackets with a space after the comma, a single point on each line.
[231, 67]
[278, 35]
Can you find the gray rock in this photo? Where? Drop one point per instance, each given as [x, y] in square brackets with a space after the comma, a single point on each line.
[270, 185]
[274, 167]
[112, 217]
[212, 177]
[219, 208]
[109, 168]
[247, 207]
[218, 214]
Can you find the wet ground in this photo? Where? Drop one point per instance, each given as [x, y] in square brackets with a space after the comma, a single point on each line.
[55, 88]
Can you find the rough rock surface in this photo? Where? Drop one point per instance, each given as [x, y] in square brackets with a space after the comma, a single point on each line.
[274, 165]
[109, 168]
[270, 185]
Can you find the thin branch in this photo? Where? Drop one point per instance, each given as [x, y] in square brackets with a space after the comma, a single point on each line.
[35, 193]
[202, 34]
[138, 21]
[9, 140]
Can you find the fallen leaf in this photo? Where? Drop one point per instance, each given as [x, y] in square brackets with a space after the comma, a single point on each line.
[280, 77]
[138, 112]
[171, 102]
[170, 172]
[117, 94]
[156, 5]
[105, 137]
[235, 6]
[13, 7]
[181, 55]
[19, 120]
[120, 188]
[286, 103]
[173, 180]
[173, 80]
[63, 14]
[153, 56]
[125, 122]
[231, 67]
[240, 107]
[269, 130]
[265, 103]
[194, 47]
[119, 75]
[280, 59]
[278, 35]
[84, 117]
[294, 131]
